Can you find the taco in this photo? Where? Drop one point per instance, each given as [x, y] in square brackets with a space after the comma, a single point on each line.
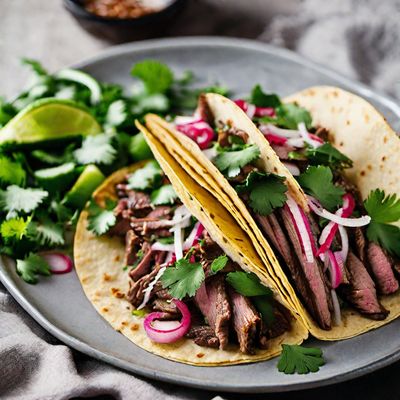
[333, 249]
[174, 273]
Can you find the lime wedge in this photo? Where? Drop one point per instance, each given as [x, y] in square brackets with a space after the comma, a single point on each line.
[48, 119]
[84, 79]
[80, 193]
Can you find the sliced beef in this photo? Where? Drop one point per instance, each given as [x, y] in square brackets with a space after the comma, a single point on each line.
[212, 300]
[323, 133]
[283, 151]
[122, 226]
[359, 243]
[204, 110]
[311, 281]
[381, 269]
[135, 293]
[145, 264]
[139, 203]
[160, 292]
[360, 292]
[132, 245]
[161, 212]
[246, 321]
[203, 335]
[165, 306]
[147, 226]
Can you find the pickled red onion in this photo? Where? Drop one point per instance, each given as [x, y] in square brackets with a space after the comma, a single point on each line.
[59, 263]
[199, 131]
[165, 333]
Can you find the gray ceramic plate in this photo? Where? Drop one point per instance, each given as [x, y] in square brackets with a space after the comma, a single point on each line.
[58, 303]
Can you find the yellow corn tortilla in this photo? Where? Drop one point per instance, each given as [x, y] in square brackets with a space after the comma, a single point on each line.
[99, 264]
[356, 128]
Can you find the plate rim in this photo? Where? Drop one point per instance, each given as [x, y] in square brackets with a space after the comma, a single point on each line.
[86, 348]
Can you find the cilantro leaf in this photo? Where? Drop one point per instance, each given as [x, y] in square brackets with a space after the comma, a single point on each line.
[139, 313]
[31, 266]
[96, 149]
[11, 172]
[230, 162]
[164, 195]
[14, 229]
[149, 176]
[267, 191]
[261, 99]
[290, 115]
[329, 156]
[295, 358]
[387, 236]
[100, 220]
[219, 263]
[318, 182]
[35, 66]
[166, 240]
[382, 208]
[46, 232]
[247, 284]
[16, 199]
[183, 279]
[116, 113]
[186, 99]
[265, 307]
[156, 76]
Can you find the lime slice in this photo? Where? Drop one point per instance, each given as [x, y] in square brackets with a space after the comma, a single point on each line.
[84, 79]
[48, 119]
[56, 178]
[89, 179]
[139, 148]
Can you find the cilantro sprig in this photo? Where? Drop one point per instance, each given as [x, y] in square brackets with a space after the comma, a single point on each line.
[16, 199]
[230, 160]
[164, 195]
[266, 191]
[318, 182]
[96, 149]
[300, 359]
[329, 156]
[219, 263]
[261, 99]
[183, 279]
[384, 210]
[100, 220]
[30, 267]
[146, 178]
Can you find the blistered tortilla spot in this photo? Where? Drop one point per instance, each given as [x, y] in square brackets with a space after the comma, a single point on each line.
[241, 254]
[125, 323]
[275, 169]
[117, 258]
[341, 144]
[362, 173]
[134, 327]
[383, 158]
[117, 293]
[104, 309]
[225, 239]
[97, 293]
[212, 216]
[107, 277]
[200, 355]
[366, 118]
[85, 279]
[385, 139]
[348, 122]
[335, 93]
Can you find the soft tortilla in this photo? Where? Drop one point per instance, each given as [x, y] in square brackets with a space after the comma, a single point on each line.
[99, 264]
[357, 129]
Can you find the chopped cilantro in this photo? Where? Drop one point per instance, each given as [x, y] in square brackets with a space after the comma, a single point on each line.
[183, 279]
[164, 195]
[16, 199]
[230, 161]
[219, 263]
[290, 115]
[11, 172]
[36, 66]
[14, 229]
[267, 191]
[47, 233]
[96, 149]
[261, 99]
[387, 236]
[329, 156]
[295, 358]
[166, 240]
[139, 313]
[149, 176]
[156, 76]
[116, 113]
[100, 220]
[32, 266]
[247, 284]
[318, 182]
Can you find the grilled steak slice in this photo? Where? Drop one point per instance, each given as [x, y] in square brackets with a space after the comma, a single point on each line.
[361, 291]
[165, 306]
[132, 242]
[203, 335]
[161, 212]
[246, 321]
[144, 266]
[381, 269]
[283, 151]
[147, 226]
[160, 292]
[139, 203]
[314, 277]
[359, 244]
[212, 300]
[122, 225]
[135, 293]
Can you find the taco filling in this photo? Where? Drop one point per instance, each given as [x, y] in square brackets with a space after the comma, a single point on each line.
[341, 251]
[180, 277]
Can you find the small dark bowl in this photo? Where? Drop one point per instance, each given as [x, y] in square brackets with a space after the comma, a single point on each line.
[120, 30]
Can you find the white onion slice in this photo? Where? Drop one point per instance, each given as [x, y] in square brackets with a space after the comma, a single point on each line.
[287, 133]
[296, 142]
[147, 291]
[185, 119]
[345, 243]
[306, 136]
[350, 222]
[251, 110]
[301, 226]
